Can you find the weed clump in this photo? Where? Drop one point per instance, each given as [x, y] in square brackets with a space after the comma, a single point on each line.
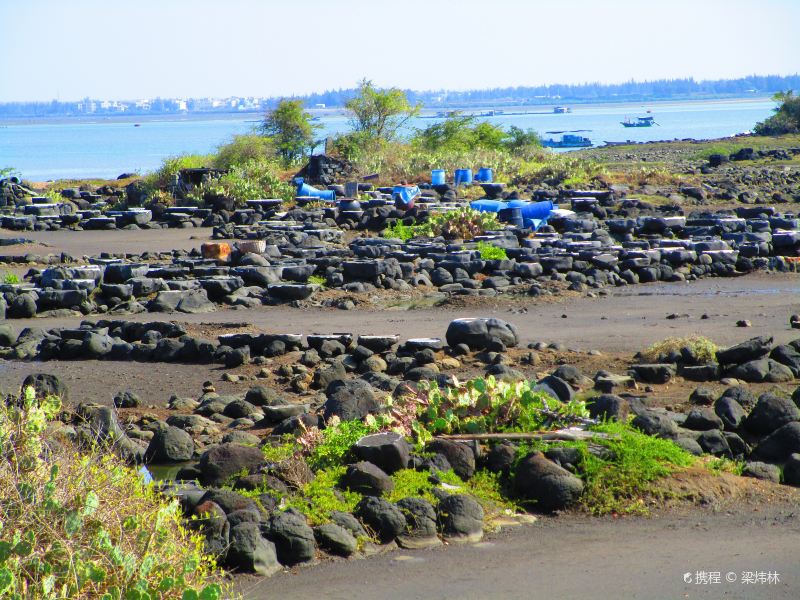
[86, 525]
[699, 348]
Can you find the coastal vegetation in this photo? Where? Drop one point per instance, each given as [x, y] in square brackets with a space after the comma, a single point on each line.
[786, 118]
[78, 522]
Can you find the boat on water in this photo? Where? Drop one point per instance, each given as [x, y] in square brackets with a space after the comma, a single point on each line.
[560, 110]
[639, 122]
[568, 141]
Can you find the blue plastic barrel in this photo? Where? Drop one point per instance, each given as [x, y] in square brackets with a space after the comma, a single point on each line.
[484, 175]
[533, 210]
[463, 176]
[487, 205]
[438, 177]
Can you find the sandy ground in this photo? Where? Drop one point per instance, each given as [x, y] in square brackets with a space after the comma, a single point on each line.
[575, 557]
[627, 321]
[80, 243]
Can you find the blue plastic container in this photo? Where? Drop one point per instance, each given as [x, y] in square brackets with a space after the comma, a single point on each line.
[438, 177]
[404, 196]
[487, 205]
[484, 175]
[463, 176]
[303, 189]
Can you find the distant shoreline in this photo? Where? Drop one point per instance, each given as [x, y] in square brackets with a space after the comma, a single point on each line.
[256, 116]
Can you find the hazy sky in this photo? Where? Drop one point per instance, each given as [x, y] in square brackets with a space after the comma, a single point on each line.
[127, 49]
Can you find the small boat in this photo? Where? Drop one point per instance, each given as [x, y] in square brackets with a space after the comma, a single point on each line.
[639, 122]
[568, 141]
[560, 110]
[137, 124]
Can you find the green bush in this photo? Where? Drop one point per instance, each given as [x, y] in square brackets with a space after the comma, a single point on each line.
[250, 180]
[290, 129]
[84, 525]
[491, 252]
[786, 118]
[462, 223]
[165, 174]
[11, 278]
[242, 149]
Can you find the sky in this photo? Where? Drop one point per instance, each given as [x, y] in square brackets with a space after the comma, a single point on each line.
[130, 49]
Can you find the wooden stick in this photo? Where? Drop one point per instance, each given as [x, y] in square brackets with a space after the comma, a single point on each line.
[554, 436]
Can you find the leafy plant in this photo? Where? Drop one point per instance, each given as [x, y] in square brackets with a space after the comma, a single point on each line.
[317, 280]
[463, 223]
[335, 442]
[81, 525]
[489, 405]
[491, 252]
[11, 278]
[319, 498]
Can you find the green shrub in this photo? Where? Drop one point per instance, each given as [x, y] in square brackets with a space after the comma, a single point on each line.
[11, 278]
[399, 231]
[250, 180]
[165, 174]
[84, 525]
[242, 149]
[491, 252]
[786, 118]
[319, 498]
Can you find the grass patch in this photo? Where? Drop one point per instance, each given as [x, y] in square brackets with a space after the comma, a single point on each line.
[726, 465]
[317, 280]
[319, 498]
[622, 479]
[491, 252]
[700, 347]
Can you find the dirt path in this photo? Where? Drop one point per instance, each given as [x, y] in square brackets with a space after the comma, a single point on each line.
[628, 320]
[82, 243]
[575, 557]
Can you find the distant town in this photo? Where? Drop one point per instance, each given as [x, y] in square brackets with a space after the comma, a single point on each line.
[631, 91]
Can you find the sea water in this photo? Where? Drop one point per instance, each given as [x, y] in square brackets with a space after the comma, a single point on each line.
[43, 150]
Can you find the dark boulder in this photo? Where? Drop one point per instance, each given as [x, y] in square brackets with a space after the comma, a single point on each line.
[609, 407]
[169, 445]
[366, 478]
[382, 517]
[460, 518]
[479, 333]
[46, 384]
[730, 411]
[544, 482]
[388, 450]
[703, 419]
[420, 529]
[752, 349]
[221, 462]
[770, 413]
[350, 399]
[249, 552]
[779, 445]
[459, 455]
[335, 539]
[293, 538]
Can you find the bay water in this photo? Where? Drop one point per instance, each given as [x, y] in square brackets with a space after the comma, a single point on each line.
[76, 148]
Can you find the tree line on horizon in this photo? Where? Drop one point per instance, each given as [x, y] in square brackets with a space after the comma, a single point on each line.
[544, 94]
